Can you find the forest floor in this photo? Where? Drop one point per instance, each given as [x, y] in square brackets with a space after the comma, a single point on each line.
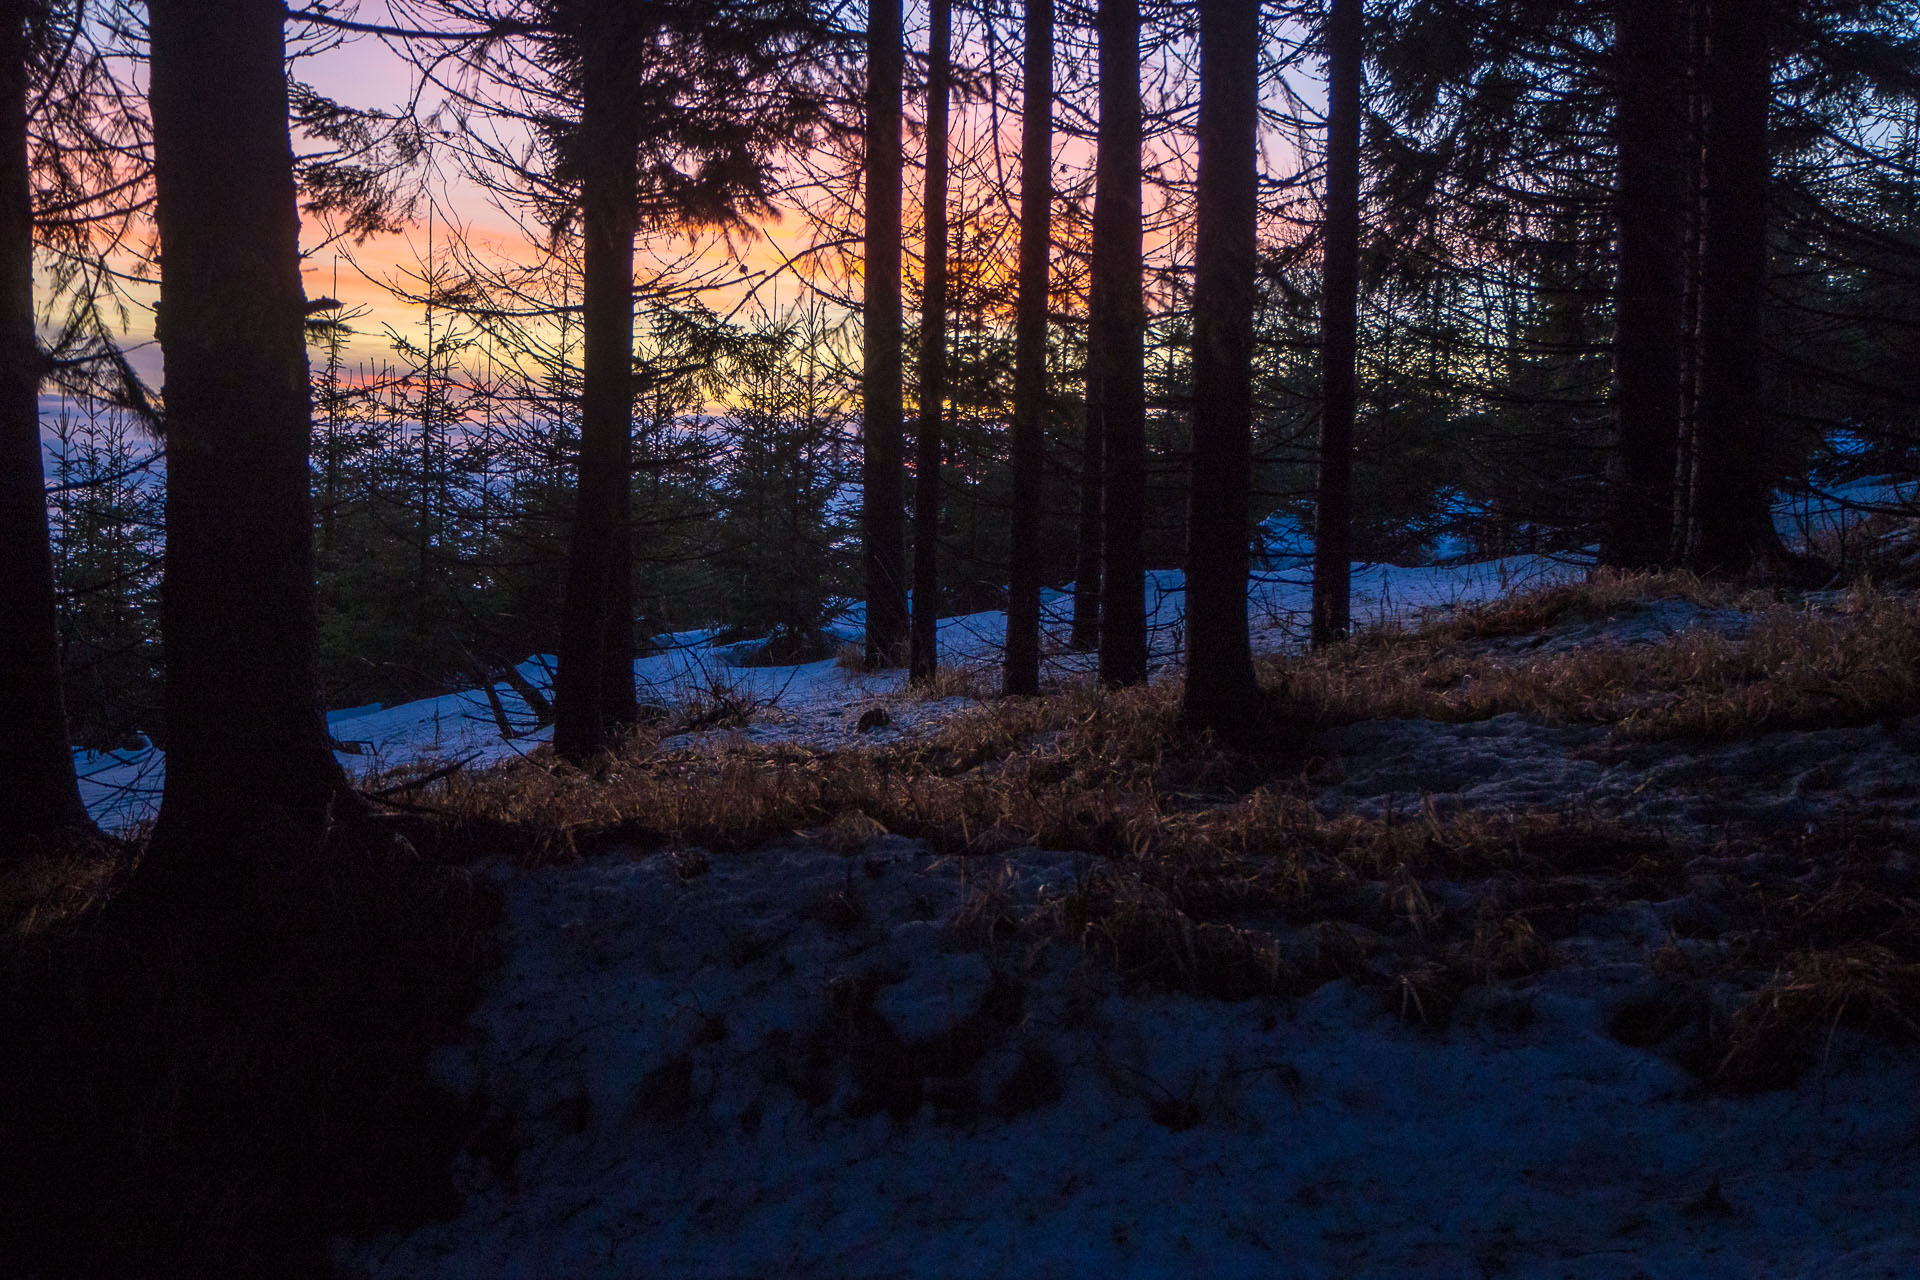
[1571, 934]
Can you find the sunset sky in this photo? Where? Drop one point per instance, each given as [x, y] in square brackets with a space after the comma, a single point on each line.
[363, 71]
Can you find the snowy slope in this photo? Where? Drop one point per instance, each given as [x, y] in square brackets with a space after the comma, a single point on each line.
[806, 702]
[665, 1049]
[802, 1062]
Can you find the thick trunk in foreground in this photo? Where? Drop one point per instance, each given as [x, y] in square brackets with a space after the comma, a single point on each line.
[1651, 136]
[882, 486]
[1731, 525]
[1221, 693]
[1030, 356]
[36, 757]
[593, 694]
[923, 650]
[1116, 351]
[1339, 330]
[247, 746]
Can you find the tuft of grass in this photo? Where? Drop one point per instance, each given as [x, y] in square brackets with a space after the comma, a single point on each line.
[214, 1076]
[1777, 1034]
[975, 680]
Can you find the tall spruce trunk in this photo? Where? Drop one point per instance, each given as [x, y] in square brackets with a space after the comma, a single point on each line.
[882, 486]
[1030, 355]
[1731, 526]
[593, 693]
[1116, 348]
[923, 651]
[1651, 138]
[1693, 21]
[36, 757]
[1339, 329]
[1221, 693]
[247, 745]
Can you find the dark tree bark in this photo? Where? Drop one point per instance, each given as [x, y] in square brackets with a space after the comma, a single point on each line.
[882, 486]
[1085, 634]
[247, 746]
[1030, 355]
[1221, 693]
[1339, 329]
[1651, 137]
[1731, 525]
[36, 757]
[1693, 217]
[593, 693]
[1116, 348]
[923, 654]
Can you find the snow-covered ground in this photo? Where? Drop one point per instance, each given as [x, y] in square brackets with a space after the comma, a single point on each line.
[789, 1066]
[803, 1061]
[808, 1062]
[815, 703]
[122, 788]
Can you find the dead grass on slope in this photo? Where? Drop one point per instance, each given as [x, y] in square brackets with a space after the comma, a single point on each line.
[1603, 594]
[1212, 872]
[1795, 668]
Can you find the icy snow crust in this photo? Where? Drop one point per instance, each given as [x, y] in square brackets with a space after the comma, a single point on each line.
[807, 1062]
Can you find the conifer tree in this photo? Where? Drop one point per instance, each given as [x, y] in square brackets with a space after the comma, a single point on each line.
[1651, 135]
[1339, 327]
[1116, 335]
[247, 744]
[36, 757]
[1731, 528]
[593, 691]
[1030, 354]
[922, 655]
[882, 485]
[1221, 693]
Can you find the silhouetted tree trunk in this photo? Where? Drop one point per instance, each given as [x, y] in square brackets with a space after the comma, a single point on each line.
[1116, 336]
[882, 487]
[1221, 692]
[593, 695]
[1030, 355]
[1651, 137]
[1339, 329]
[36, 758]
[923, 655]
[1731, 528]
[247, 746]
[1085, 634]
[1693, 217]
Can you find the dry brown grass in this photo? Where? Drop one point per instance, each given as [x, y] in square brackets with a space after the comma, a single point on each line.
[1213, 872]
[1602, 594]
[1855, 664]
[1209, 878]
[48, 888]
[1781, 1030]
[977, 680]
